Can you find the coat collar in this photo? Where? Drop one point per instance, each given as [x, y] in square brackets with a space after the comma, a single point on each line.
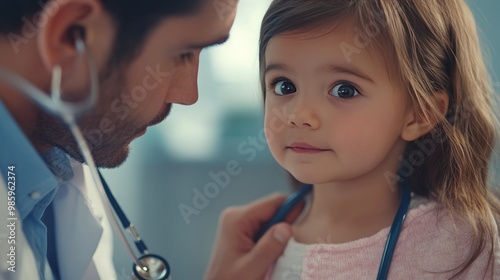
[78, 224]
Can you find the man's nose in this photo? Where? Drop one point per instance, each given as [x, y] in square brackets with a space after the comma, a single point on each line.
[184, 86]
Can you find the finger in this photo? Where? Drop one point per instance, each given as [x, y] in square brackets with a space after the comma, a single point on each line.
[290, 218]
[265, 207]
[259, 212]
[247, 220]
[269, 248]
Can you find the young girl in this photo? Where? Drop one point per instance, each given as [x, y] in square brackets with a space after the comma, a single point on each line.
[362, 95]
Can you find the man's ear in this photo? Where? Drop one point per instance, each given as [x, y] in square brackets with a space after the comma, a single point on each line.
[417, 125]
[57, 36]
[56, 40]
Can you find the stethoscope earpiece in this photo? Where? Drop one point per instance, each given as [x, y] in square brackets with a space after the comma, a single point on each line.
[78, 31]
[146, 266]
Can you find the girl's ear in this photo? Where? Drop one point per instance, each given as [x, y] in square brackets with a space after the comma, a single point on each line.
[417, 124]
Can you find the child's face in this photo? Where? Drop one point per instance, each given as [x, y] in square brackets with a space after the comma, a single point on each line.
[331, 116]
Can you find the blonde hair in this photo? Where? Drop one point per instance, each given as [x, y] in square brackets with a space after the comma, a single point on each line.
[435, 47]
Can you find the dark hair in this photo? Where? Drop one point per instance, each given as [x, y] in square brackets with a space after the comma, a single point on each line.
[134, 19]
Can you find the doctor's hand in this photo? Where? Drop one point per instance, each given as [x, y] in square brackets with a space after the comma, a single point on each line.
[235, 254]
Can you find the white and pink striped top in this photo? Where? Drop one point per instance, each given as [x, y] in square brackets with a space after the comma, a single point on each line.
[429, 246]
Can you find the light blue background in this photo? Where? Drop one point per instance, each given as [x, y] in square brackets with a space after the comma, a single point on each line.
[174, 159]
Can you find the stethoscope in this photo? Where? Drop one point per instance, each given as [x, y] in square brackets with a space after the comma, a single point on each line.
[146, 266]
[390, 245]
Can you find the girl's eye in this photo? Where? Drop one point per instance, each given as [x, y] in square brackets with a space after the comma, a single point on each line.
[344, 90]
[284, 87]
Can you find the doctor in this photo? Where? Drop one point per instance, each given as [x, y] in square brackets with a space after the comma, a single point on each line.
[146, 55]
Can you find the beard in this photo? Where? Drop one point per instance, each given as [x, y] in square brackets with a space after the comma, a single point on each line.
[107, 131]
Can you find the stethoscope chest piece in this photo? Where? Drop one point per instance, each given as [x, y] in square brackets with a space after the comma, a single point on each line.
[155, 268]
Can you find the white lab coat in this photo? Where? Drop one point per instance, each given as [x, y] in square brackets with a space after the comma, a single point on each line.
[83, 234]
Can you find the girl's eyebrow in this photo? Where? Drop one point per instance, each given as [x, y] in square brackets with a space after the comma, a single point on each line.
[275, 66]
[325, 68]
[345, 69]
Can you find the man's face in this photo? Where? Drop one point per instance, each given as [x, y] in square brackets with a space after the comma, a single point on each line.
[141, 94]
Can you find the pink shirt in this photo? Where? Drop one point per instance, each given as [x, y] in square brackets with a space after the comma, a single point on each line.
[429, 245]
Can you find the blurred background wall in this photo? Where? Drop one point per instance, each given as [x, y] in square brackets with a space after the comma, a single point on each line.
[171, 166]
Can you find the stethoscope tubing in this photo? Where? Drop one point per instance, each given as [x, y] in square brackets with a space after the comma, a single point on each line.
[392, 238]
[127, 225]
[288, 205]
[68, 112]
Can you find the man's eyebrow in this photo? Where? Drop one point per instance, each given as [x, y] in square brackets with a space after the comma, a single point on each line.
[219, 41]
